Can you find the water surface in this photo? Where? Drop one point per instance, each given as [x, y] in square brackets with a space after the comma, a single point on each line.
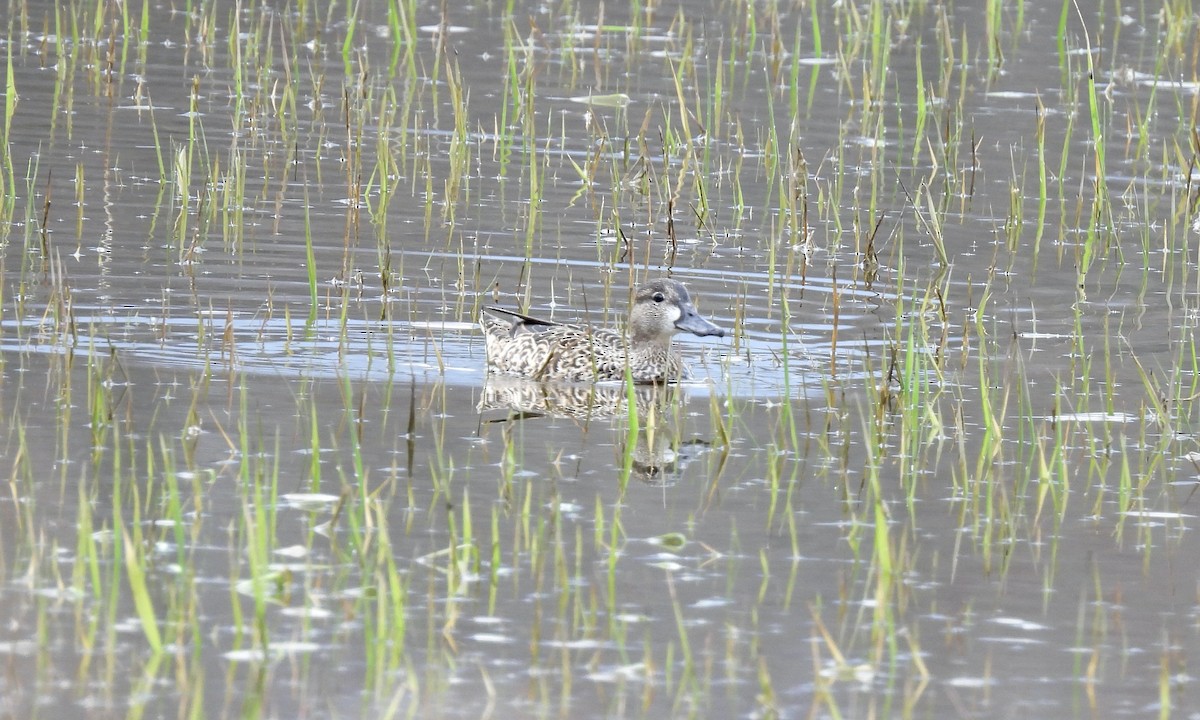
[944, 464]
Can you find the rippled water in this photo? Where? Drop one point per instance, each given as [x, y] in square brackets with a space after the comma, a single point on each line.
[249, 423]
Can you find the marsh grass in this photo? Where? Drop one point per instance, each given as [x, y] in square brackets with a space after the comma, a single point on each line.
[415, 528]
[7, 170]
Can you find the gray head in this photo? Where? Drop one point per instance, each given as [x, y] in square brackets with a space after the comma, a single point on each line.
[663, 307]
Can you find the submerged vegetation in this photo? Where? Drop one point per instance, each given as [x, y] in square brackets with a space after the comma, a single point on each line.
[944, 465]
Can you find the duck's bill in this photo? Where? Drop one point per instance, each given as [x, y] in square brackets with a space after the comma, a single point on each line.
[691, 322]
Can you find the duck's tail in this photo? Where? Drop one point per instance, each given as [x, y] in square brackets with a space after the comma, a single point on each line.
[522, 318]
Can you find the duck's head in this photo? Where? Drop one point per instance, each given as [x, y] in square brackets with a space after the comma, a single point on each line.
[662, 308]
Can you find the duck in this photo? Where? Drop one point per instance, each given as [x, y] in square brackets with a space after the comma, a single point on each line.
[539, 349]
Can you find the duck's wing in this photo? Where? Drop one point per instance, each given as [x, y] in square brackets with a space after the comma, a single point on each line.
[533, 347]
[579, 353]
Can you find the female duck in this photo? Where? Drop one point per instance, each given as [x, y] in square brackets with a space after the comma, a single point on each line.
[546, 350]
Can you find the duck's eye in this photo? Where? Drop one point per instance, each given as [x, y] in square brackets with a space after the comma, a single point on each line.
[659, 297]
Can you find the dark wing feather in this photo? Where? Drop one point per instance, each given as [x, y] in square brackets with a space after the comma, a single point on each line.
[522, 317]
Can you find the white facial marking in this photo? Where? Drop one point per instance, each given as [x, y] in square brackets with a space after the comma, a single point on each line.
[672, 317]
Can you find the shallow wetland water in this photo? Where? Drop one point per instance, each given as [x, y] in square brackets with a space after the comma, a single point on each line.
[944, 464]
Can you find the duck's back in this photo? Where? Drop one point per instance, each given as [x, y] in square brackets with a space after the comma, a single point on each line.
[553, 352]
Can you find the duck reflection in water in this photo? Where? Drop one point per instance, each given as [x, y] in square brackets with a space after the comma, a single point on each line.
[658, 457]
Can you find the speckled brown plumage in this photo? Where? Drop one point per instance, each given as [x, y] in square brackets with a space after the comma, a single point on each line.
[545, 350]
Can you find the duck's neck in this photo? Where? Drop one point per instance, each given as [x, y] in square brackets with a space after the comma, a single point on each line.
[650, 349]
